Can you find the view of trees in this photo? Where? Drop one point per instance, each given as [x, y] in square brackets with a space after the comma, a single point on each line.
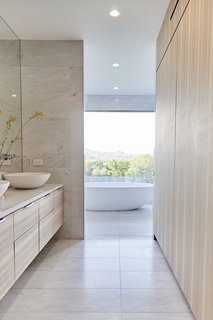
[141, 166]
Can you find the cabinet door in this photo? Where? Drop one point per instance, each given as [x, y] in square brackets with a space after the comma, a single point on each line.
[164, 150]
[173, 16]
[25, 218]
[194, 159]
[26, 249]
[6, 270]
[6, 232]
[50, 224]
[46, 205]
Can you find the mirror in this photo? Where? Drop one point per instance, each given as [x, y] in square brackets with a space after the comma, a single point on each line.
[10, 100]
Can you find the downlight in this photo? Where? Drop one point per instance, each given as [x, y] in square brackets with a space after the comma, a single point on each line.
[114, 13]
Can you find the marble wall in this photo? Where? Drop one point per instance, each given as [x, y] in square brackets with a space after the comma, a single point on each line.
[52, 82]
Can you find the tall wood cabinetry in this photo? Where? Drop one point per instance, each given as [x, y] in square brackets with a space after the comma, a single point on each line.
[184, 152]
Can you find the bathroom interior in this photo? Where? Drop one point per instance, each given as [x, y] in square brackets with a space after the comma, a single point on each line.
[153, 58]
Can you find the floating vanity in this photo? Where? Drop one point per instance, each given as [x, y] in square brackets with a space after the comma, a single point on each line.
[28, 220]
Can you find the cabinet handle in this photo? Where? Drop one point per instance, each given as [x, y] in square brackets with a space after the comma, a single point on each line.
[2, 220]
[175, 7]
[47, 195]
[29, 205]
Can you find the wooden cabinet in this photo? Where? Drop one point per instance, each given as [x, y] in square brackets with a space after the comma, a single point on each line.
[173, 16]
[46, 205]
[26, 249]
[25, 218]
[6, 232]
[24, 233]
[190, 236]
[6, 269]
[165, 148]
[6, 254]
[49, 225]
[53, 221]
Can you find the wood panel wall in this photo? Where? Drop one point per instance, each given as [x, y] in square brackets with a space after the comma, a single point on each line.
[184, 223]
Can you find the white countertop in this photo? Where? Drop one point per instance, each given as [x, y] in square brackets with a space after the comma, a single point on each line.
[15, 199]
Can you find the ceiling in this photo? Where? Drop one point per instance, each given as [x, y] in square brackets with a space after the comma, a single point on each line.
[129, 39]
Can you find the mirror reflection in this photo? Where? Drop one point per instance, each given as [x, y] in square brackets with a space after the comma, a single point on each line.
[10, 100]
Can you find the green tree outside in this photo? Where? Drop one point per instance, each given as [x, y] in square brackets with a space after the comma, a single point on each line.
[141, 166]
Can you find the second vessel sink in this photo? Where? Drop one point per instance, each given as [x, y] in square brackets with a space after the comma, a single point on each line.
[27, 180]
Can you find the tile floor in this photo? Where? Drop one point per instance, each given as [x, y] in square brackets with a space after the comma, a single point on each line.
[134, 223]
[101, 278]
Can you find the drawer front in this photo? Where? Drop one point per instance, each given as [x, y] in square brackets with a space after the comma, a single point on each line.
[6, 232]
[46, 205]
[7, 276]
[59, 197]
[26, 249]
[49, 225]
[25, 218]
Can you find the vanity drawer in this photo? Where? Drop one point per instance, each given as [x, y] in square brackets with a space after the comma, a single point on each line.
[26, 249]
[59, 197]
[6, 270]
[46, 205]
[49, 225]
[25, 218]
[6, 232]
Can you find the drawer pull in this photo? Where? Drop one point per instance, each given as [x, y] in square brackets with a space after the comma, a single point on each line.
[47, 195]
[29, 205]
[2, 220]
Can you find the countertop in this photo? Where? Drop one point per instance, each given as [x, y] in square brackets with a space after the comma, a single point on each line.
[15, 199]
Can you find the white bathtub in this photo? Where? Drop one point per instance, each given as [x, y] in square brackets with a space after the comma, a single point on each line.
[106, 196]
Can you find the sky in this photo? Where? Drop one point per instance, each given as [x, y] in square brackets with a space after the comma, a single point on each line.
[132, 133]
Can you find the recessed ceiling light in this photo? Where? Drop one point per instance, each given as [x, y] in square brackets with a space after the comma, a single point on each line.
[114, 13]
[115, 65]
[116, 88]
[14, 95]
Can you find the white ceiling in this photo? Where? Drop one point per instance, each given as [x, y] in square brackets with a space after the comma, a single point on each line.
[129, 39]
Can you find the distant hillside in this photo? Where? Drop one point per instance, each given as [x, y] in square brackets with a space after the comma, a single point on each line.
[97, 155]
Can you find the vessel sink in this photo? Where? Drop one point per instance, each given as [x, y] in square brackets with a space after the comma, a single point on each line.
[27, 180]
[3, 187]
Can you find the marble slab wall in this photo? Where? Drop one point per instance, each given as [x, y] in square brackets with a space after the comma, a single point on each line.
[52, 82]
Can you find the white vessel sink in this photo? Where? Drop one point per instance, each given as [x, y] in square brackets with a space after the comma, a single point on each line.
[27, 180]
[3, 187]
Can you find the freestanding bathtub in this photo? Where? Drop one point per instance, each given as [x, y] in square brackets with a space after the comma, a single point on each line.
[107, 196]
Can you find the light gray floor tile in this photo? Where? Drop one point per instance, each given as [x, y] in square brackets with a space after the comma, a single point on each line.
[157, 316]
[148, 280]
[144, 265]
[138, 243]
[61, 316]
[84, 253]
[68, 280]
[88, 264]
[78, 300]
[153, 300]
[19, 300]
[153, 252]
